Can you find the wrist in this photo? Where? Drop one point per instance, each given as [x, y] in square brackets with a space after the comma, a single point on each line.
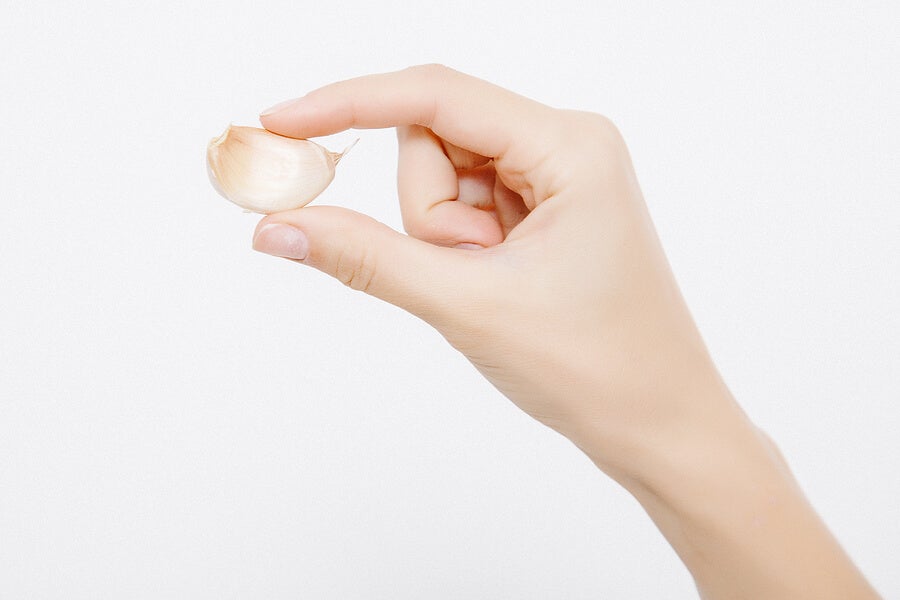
[720, 492]
[659, 427]
[703, 450]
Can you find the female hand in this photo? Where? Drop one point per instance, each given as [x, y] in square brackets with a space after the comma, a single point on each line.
[531, 250]
[567, 305]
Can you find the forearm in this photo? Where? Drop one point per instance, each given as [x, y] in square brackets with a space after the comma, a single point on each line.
[725, 500]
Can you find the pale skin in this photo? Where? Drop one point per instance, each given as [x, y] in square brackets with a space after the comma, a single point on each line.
[530, 249]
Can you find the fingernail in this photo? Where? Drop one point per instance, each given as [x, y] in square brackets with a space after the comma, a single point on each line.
[282, 240]
[278, 107]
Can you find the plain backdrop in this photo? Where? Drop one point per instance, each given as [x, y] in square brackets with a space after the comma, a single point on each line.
[181, 417]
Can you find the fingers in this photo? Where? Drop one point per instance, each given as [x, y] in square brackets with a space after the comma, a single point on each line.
[461, 158]
[508, 207]
[449, 124]
[431, 282]
[438, 204]
[466, 111]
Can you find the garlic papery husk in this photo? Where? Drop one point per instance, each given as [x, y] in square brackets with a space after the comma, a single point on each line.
[265, 173]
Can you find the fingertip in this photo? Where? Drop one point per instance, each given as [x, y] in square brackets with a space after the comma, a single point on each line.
[451, 223]
[282, 119]
[281, 239]
[305, 117]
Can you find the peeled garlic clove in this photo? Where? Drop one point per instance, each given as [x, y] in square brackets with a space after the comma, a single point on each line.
[265, 172]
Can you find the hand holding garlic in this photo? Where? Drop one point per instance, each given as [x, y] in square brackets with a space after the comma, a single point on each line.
[531, 250]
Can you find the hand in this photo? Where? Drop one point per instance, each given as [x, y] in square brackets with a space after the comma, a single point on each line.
[567, 306]
[531, 250]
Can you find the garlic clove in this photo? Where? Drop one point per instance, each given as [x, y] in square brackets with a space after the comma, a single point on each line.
[263, 172]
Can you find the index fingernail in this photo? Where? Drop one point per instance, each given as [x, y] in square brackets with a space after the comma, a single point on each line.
[278, 107]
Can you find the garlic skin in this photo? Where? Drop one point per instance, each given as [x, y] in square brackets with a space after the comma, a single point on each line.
[263, 172]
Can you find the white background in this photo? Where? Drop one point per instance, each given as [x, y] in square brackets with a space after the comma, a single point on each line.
[181, 417]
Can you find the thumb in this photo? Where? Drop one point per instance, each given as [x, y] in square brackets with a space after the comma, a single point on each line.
[429, 281]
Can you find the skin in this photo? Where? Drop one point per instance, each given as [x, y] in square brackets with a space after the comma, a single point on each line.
[530, 249]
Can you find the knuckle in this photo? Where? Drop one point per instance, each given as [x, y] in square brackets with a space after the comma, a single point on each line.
[595, 140]
[355, 268]
[430, 70]
[601, 124]
[432, 77]
[594, 135]
[417, 228]
[595, 126]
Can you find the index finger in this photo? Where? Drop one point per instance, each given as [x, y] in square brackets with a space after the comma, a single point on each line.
[464, 110]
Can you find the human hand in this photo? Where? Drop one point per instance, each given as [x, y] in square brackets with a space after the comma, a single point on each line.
[531, 250]
[568, 306]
